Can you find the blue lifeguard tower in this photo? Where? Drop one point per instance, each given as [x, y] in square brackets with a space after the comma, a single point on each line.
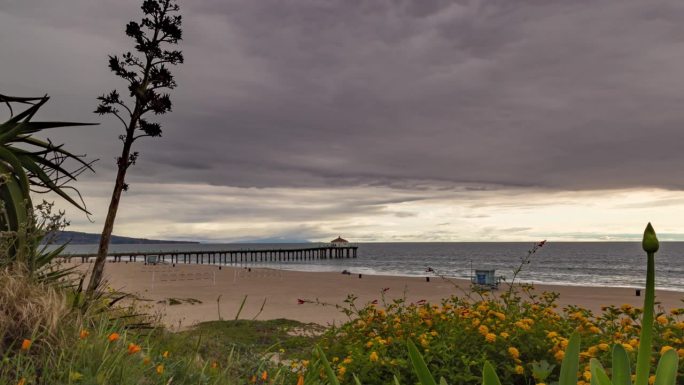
[485, 279]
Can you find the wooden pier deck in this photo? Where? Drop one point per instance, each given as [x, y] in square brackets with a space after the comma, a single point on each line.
[225, 257]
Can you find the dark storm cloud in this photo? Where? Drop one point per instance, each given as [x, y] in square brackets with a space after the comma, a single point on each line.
[548, 94]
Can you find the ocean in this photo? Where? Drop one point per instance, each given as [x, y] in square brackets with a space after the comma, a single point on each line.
[619, 264]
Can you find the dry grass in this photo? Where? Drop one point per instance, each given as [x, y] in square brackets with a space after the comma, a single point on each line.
[28, 309]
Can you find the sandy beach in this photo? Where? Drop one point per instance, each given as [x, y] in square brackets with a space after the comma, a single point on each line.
[281, 290]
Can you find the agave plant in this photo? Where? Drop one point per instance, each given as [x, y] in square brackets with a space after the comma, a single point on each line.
[29, 164]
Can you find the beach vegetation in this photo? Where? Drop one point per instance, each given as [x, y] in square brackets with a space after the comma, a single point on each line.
[28, 165]
[147, 75]
[518, 338]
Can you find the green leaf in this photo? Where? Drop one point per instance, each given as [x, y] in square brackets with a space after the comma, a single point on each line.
[17, 170]
[357, 382]
[442, 381]
[622, 371]
[666, 373]
[598, 375]
[570, 365]
[328, 369]
[422, 371]
[489, 376]
[396, 380]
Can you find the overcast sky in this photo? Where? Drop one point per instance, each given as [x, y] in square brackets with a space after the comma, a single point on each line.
[378, 120]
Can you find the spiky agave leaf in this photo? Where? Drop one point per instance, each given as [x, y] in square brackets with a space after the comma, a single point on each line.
[27, 164]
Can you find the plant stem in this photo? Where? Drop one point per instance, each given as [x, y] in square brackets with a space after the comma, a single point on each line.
[644, 356]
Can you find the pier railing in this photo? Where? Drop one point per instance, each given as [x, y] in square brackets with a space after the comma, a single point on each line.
[229, 256]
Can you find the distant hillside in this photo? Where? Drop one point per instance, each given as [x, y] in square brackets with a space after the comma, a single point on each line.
[79, 238]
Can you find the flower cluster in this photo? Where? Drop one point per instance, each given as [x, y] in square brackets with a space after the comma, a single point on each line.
[459, 334]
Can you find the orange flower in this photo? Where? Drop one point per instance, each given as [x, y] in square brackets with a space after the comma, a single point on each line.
[264, 376]
[26, 344]
[300, 380]
[253, 380]
[160, 369]
[113, 337]
[83, 334]
[214, 365]
[373, 356]
[165, 354]
[133, 348]
[22, 381]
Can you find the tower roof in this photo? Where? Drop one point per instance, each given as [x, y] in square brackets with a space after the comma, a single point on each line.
[339, 240]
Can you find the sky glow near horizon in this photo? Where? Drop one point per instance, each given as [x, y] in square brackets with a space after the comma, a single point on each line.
[385, 120]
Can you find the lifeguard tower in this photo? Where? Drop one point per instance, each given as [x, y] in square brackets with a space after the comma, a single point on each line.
[485, 279]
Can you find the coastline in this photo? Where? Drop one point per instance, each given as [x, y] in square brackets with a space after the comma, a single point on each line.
[281, 290]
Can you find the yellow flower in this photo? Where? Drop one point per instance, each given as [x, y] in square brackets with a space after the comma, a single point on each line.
[341, 370]
[513, 352]
[595, 330]
[519, 369]
[679, 325]
[604, 347]
[680, 352]
[75, 376]
[628, 347]
[133, 348]
[433, 333]
[651, 380]
[347, 361]
[559, 355]
[424, 342]
[592, 350]
[113, 337]
[490, 337]
[26, 344]
[662, 320]
[552, 335]
[369, 344]
[665, 349]
[160, 369]
[165, 354]
[504, 335]
[83, 334]
[634, 342]
[587, 375]
[373, 356]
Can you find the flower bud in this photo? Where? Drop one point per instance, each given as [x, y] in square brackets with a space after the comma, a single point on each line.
[650, 241]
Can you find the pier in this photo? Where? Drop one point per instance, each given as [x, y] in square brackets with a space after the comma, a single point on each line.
[226, 257]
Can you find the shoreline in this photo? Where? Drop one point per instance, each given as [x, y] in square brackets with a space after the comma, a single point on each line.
[280, 290]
